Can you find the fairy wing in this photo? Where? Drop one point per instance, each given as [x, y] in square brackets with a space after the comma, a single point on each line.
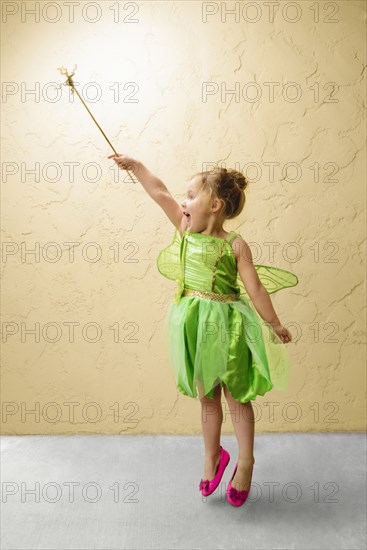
[168, 261]
[273, 278]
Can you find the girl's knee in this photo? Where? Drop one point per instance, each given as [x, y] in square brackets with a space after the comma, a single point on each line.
[216, 398]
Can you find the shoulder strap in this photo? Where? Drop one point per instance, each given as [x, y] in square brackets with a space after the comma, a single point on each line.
[231, 236]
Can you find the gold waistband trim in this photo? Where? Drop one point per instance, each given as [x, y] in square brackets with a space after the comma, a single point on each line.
[211, 295]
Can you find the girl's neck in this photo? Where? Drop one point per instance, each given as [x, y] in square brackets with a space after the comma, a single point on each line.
[222, 236]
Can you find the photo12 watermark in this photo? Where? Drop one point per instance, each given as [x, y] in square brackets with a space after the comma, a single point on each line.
[243, 12]
[127, 414]
[270, 92]
[71, 12]
[52, 492]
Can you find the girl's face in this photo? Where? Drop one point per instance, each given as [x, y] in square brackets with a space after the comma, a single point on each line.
[196, 206]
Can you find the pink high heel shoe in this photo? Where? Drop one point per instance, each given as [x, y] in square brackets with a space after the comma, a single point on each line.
[206, 486]
[235, 497]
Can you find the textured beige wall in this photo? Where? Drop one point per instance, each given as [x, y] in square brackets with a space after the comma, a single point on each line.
[314, 210]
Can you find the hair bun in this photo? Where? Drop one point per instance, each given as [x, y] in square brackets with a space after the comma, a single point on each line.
[242, 182]
[238, 179]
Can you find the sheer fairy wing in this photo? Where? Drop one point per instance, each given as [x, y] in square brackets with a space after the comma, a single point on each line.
[168, 261]
[273, 279]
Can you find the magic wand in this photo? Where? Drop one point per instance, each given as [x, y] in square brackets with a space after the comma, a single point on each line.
[69, 82]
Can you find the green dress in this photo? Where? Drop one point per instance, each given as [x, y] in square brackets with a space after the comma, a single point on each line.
[214, 333]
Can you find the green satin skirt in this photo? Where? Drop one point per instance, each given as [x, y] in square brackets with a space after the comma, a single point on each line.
[229, 343]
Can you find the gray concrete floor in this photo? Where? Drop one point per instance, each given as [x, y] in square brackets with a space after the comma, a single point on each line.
[142, 492]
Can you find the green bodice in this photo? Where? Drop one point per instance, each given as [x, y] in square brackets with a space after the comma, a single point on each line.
[209, 263]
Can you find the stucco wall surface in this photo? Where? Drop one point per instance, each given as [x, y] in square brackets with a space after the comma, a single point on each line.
[178, 85]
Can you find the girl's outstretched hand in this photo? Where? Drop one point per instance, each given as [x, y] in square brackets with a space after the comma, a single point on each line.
[125, 162]
[283, 333]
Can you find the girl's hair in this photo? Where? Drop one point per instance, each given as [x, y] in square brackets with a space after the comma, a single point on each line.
[228, 185]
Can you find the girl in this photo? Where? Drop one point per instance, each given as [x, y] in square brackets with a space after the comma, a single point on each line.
[210, 342]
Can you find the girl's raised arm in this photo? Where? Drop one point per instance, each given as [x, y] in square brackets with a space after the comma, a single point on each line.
[155, 188]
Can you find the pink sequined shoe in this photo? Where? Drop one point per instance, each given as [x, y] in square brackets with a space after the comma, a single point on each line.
[235, 497]
[207, 487]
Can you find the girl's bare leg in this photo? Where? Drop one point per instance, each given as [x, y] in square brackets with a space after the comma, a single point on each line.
[211, 421]
[242, 415]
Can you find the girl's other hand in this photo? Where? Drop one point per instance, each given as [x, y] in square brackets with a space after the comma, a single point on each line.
[283, 333]
[125, 162]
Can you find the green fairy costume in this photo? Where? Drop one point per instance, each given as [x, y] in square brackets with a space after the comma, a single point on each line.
[214, 333]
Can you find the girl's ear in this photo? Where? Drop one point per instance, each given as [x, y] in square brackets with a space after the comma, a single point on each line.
[216, 203]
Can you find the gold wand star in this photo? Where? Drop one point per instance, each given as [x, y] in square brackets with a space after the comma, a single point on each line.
[69, 82]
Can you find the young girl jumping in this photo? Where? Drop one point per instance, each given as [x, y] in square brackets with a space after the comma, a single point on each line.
[218, 336]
